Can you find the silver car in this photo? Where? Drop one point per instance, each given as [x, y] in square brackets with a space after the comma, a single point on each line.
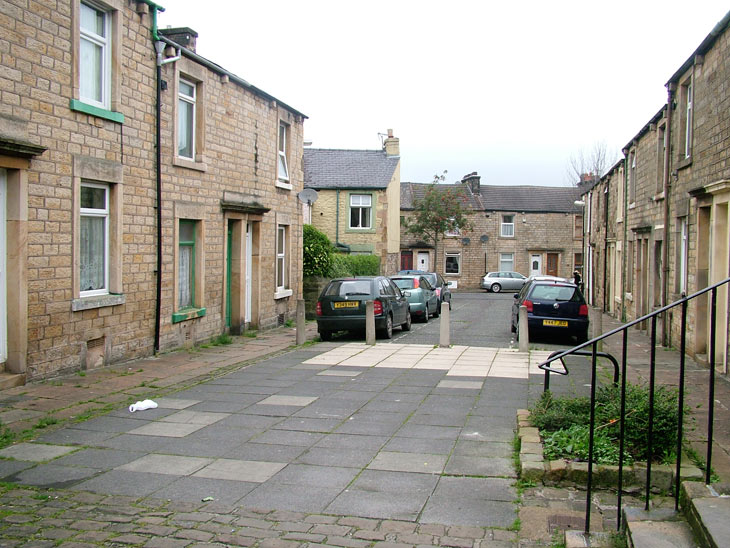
[497, 281]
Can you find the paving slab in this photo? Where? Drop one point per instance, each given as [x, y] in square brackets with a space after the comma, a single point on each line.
[35, 452]
[240, 470]
[166, 464]
[408, 462]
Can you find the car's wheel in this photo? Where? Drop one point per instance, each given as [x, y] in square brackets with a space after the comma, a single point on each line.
[407, 325]
[325, 335]
[496, 288]
[387, 333]
[437, 311]
[513, 328]
[426, 315]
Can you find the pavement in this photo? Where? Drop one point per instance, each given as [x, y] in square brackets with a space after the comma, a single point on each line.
[265, 443]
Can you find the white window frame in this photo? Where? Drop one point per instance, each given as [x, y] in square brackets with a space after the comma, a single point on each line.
[506, 257]
[689, 91]
[105, 43]
[632, 178]
[280, 271]
[192, 101]
[282, 170]
[683, 254]
[98, 213]
[457, 255]
[455, 232]
[361, 205]
[507, 229]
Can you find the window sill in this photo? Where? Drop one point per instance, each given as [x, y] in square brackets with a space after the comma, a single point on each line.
[189, 164]
[188, 314]
[283, 294]
[80, 106]
[283, 185]
[629, 297]
[97, 301]
[658, 197]
[683, 163]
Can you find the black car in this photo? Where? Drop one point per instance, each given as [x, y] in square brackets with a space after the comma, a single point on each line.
[440, 286]
[553, 306]
[341, 306]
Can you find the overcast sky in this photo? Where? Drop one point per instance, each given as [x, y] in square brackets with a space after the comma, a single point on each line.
[508, 89]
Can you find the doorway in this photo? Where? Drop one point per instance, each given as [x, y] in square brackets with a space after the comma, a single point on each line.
[3, 277]
[423, 260]
[248, 264]
[552, 264]
[535, 265]
[406, 260]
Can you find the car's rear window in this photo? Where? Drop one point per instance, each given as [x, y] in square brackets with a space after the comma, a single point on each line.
[555, 293]
[343, 288]
[432, 278]
[404, 283]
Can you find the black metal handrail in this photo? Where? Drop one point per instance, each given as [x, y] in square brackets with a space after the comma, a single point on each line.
[565, 370]
[593, 343]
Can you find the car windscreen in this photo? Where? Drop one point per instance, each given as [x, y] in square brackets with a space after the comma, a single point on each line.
[345, 288]
[404, 283]
[555, 293]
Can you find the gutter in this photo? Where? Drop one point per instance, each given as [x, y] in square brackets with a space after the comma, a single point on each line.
[666, 187]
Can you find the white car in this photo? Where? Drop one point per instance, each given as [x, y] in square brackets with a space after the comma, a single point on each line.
[497, 281]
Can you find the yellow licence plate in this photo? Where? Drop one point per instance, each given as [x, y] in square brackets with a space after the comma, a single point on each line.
[555, 323]
[347, 304]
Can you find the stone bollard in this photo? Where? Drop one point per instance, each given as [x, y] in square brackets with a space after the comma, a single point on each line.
[301, 329]
[523, 329]
[445, 333]
[369, 323]
[595, 317]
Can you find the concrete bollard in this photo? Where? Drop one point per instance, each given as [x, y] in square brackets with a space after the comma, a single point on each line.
[445, 333]
[595, 317]
[301, 329]
[369, 322]
[523, 329]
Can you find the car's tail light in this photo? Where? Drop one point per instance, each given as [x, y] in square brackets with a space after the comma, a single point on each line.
[438, 292]
[377, 307]
[319, 308]
[583, 310]
[528, 305]
[415, 284]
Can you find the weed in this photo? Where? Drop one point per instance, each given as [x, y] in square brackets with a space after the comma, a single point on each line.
[46, 421]
[516, 524]
[250, 333]
[39, 496]
[204, 346]
[81, 373]
[222, 339]
[699, 462]
[289, 323]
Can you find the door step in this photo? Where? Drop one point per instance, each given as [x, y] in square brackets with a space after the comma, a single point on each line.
[646, 530]
[11, 380]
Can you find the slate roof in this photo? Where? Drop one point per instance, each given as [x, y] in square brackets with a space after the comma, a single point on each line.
[527, 198]
[336, 168]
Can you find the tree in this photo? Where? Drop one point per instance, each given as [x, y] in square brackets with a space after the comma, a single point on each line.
[317, 252]
[593, 163]
[442, 209]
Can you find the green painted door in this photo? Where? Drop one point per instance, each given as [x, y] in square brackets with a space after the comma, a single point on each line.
[229, 250]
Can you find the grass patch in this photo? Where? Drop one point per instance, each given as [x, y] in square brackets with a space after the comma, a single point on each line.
[564, 424]
[46, 422]
[289, 323]
[250, 333]
[222, 340]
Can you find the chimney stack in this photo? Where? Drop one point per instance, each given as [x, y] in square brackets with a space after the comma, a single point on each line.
[185, 36]
[473, 180]
[391, 145]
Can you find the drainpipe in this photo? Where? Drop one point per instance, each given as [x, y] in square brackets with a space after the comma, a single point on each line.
[337, 219]
[624, 245]
[666, 189]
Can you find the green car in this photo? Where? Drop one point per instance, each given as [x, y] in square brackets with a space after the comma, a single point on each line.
[422, 297]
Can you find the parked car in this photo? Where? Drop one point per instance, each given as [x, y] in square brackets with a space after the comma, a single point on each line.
[440, 286]
[422, 298]
[553, 306]
[497, 281]
[341, 306]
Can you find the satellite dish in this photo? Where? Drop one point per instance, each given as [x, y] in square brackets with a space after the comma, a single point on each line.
[483, 238]
[308, 196]
[466, 241]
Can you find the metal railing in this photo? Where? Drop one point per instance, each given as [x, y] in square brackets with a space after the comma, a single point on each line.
[593, 343]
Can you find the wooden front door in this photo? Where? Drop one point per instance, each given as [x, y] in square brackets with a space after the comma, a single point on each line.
[406, 260]
[552, 264]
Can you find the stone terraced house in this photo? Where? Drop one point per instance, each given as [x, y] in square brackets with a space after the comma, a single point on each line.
[657, 223]
[358, 200]
[148, 197]
[527, 229]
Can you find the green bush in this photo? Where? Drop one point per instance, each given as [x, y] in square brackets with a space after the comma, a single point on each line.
[354, 265]
[573, 443]
[552, 414]
[318, 251]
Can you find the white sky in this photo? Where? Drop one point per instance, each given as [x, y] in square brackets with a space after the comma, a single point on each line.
[509, 89]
